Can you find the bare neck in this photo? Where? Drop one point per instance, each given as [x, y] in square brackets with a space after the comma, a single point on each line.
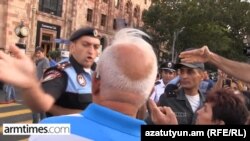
[191, 92]
[122, 107]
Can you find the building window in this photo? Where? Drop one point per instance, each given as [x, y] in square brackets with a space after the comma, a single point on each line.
[127, 7]
[46, 37]
[136, 12]
[53, 7]
[117, 3]
[103, 20]
[89, 15]
[114, 24]
[106, 1]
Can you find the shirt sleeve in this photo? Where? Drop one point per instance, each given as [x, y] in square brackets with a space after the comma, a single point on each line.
[55, 86]
[46, 64]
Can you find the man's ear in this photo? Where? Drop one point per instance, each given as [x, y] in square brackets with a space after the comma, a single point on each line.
[72, 46]
[95, 84]
[202, 75]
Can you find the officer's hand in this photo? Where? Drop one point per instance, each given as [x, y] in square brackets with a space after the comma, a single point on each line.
[17, 68]
[162, 115]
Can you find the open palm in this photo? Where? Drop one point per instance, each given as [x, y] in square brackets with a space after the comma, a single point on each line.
[17, 69]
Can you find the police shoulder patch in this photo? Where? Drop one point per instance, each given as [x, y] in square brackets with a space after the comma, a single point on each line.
[63, 65]
[157, 82]
[171, 94]
[51, 74]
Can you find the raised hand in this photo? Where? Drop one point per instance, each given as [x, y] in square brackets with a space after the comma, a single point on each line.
[17, 68]
[196, 55]
[162, 115]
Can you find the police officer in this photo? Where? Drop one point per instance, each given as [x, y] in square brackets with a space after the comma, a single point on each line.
[69, 83]
[167, 73]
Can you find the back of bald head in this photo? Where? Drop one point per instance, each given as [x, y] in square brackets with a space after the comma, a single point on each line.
[129, 63]
[134, 62]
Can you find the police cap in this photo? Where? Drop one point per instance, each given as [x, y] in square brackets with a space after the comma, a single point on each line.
[191, 65]
[87, 31]
[168, 66]
[194, 65]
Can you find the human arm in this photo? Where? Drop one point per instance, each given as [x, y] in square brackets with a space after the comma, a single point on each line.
[228, 66]
[36, 98]
[54, 84]
[219, 83]
[19, 70]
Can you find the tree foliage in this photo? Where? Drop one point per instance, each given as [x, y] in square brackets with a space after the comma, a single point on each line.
[220, 24]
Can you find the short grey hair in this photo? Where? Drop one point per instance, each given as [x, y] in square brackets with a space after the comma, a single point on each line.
[111, 74]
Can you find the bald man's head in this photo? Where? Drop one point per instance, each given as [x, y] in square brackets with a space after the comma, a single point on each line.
[134, 62]
[129, 64]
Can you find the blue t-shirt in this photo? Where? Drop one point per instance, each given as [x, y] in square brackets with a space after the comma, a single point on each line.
[98, 123]
[52, 62]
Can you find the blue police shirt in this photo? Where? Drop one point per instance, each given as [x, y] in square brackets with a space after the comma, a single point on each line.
[69, 84]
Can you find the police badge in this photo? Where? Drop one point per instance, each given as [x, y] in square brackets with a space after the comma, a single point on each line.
[81, 80]
[95, 32]
[169, 65]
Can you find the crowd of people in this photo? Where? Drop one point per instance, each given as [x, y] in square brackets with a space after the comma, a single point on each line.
[122, 93]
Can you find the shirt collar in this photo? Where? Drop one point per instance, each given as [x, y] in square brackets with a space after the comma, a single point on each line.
[113, 119]
[181, 95]
[162, 84]
[78, 67]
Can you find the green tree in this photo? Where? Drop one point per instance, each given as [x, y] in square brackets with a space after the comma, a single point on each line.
[55, 54]
[220, 24]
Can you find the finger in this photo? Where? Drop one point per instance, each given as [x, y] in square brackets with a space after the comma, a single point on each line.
[162, 110]
[1, 54]
[169, 110]
[16, 51]
[152, 105]
[171, 116]
[205, 47]
[169, 113]
[4, 56]
[156, 112]
[189, 52]
[3, 69]
[183, 54]
[187, 60]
